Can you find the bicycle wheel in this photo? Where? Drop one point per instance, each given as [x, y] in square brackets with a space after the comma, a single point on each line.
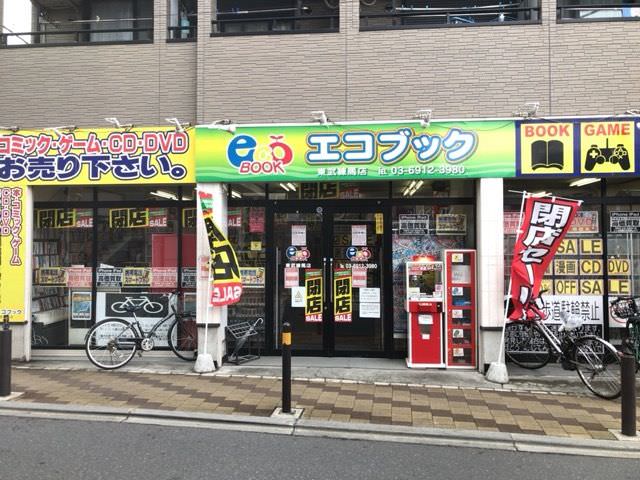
[152, 307]
[119, 307]
[598, 365]
[526, 346]
[111, 343]
[183, 338]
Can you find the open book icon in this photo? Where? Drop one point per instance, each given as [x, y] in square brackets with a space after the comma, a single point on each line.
[547, 154]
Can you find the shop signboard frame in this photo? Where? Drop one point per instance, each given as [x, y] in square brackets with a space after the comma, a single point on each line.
[77, 157]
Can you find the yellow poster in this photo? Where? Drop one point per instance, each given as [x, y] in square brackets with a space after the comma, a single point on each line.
[568, 246]
[618, 266]
[342, 292]
[565, 267]
[546, 148]
[313, 300]
[12, 253]
[592, 287]
[607, 147]
[565, 287]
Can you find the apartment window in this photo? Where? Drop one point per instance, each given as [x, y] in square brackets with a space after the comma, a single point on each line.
[598, 10]
[183, 19]
[249, 17]
[45, 22]
[379, 15]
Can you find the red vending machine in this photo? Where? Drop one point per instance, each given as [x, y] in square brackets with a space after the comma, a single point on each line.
[425, 294]
[460, 308]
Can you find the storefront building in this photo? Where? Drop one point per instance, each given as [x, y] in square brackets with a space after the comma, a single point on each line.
[323, 219]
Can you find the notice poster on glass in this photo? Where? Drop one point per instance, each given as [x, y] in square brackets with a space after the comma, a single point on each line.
[359, 235]
[136, 277]
[256, 220]
[451, 224]
[79, 277]
[152, 307]
[109, 277]
[252, 277]
[164, 277]
[298, 235]
[414, 224]
[80, 309]
[370, 310]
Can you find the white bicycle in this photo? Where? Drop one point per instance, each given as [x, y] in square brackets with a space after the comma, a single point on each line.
[142, 302]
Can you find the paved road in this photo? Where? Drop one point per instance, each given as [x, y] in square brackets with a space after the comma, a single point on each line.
[45, 449]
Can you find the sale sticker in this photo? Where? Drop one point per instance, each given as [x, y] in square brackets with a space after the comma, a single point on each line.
[313, 294]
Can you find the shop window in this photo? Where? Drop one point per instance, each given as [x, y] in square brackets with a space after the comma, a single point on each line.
[61, 299]
[183, 19]
[574, 280]
[328, 190]
[63, 194]
[433, 188]
[424, 230]
[376, 14]
[248, 17]
[597, 10]
[623, 260]
[623, 187]
[246, 232]
[157, 193]
[137, 259]
[54, 22]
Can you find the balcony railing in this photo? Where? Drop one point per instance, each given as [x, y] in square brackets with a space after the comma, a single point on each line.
[425, 17]
[287, 20]
[601, 12]
[82, 32]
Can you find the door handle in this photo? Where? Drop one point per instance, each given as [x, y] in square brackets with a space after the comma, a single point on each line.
[330, 282]
[324, 280]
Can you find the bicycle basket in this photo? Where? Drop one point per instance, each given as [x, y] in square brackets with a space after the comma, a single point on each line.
[623, 307]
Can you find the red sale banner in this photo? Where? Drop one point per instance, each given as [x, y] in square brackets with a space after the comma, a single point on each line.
[545, 222]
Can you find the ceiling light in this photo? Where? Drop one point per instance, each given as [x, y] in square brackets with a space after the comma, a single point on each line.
[284, 187]
[235, 194]
[163, 194]
[540, 194]
[291, 186]
[583, 181]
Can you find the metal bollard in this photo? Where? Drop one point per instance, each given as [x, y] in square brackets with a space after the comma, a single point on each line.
[628, 403]
[286, 367]
[5, 358]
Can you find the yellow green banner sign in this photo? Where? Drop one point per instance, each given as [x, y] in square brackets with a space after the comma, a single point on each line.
[365, 151]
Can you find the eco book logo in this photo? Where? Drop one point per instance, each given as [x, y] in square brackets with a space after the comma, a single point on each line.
[248, 157]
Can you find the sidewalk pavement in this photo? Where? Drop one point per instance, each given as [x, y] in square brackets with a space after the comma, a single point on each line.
[355, 391]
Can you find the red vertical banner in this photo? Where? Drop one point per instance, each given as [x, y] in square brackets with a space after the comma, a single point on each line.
[545, 222]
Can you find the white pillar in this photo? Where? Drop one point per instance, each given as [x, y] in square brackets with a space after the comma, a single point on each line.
[216, 317]
[490, 207]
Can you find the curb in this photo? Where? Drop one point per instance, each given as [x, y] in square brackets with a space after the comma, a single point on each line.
[313, 428]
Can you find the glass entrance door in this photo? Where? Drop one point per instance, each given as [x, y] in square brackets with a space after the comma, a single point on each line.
[329, 278]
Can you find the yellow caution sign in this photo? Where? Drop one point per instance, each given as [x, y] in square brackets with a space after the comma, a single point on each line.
[286, 338]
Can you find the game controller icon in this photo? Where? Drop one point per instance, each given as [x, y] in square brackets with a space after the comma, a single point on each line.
[597, 156]
[620, 156]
